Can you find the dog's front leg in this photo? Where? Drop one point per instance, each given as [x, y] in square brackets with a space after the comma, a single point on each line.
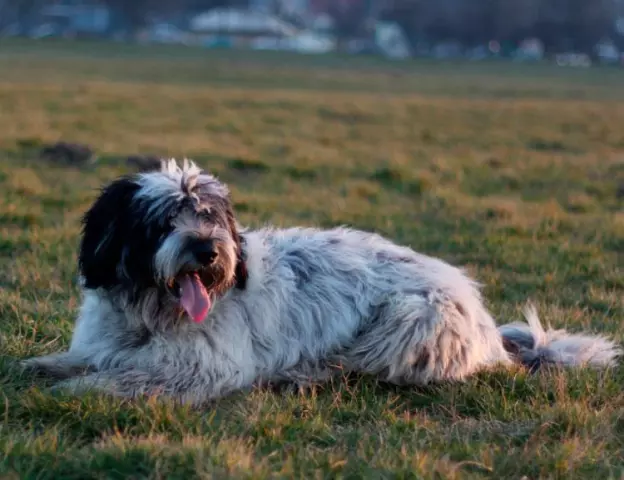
[118, 382]
[185, 374]
[187, 388]
[58, 365]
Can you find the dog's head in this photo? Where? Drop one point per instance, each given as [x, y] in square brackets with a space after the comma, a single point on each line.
[171, 232]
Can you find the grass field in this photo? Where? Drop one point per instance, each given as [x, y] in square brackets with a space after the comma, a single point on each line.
[513, 171]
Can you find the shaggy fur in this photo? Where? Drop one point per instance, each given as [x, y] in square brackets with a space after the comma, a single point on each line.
[293, 305]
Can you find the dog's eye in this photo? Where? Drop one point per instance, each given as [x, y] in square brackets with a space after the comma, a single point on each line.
[205, 214]
[173, 213]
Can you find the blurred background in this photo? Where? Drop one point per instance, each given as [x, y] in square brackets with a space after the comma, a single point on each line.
[566, 32]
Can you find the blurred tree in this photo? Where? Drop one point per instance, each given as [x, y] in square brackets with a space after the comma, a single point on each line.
[408, 14]
[349, 19]
[560, 24]
[127, 16]
[574, 25]
[26, 12]
[589, 21]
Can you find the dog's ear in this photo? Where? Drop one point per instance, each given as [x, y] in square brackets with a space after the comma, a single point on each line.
[106, 227]
[241, 266]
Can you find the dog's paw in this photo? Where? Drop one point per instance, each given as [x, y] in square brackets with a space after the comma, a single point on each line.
[35, 365]
[57, 366]
[83, 385]
[98, 383]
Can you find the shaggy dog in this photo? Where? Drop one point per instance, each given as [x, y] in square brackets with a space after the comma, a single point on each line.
[179, 301]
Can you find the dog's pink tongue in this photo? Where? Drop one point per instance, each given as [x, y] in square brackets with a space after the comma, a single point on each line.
[194, 299]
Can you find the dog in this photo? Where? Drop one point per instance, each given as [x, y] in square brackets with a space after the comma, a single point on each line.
[180, 301]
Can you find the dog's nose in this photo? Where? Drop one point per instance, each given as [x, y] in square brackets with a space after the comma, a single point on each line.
[204, 252]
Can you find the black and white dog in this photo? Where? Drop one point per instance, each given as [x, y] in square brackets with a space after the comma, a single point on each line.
[179, 301]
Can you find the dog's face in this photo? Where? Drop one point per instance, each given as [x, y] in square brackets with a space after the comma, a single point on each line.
[171, 231]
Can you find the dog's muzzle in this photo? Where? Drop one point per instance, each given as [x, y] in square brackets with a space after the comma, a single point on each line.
[187, 286]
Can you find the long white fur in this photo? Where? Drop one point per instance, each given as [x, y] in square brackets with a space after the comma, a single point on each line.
[316, 301]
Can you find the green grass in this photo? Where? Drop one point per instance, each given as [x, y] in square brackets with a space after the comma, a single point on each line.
[512, 171]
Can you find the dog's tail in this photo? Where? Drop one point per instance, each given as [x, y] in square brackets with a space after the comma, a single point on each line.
[532, 346]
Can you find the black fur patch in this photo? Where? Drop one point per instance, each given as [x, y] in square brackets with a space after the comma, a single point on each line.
[241, 266]
[121, 236]
[118, 245]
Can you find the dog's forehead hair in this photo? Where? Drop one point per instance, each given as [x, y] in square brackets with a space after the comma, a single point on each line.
[174, 185]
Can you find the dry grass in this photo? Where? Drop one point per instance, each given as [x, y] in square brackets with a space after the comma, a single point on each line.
[510, 170]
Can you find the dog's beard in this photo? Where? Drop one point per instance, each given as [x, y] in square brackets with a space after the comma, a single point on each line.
[195, 290]
[193, 286]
